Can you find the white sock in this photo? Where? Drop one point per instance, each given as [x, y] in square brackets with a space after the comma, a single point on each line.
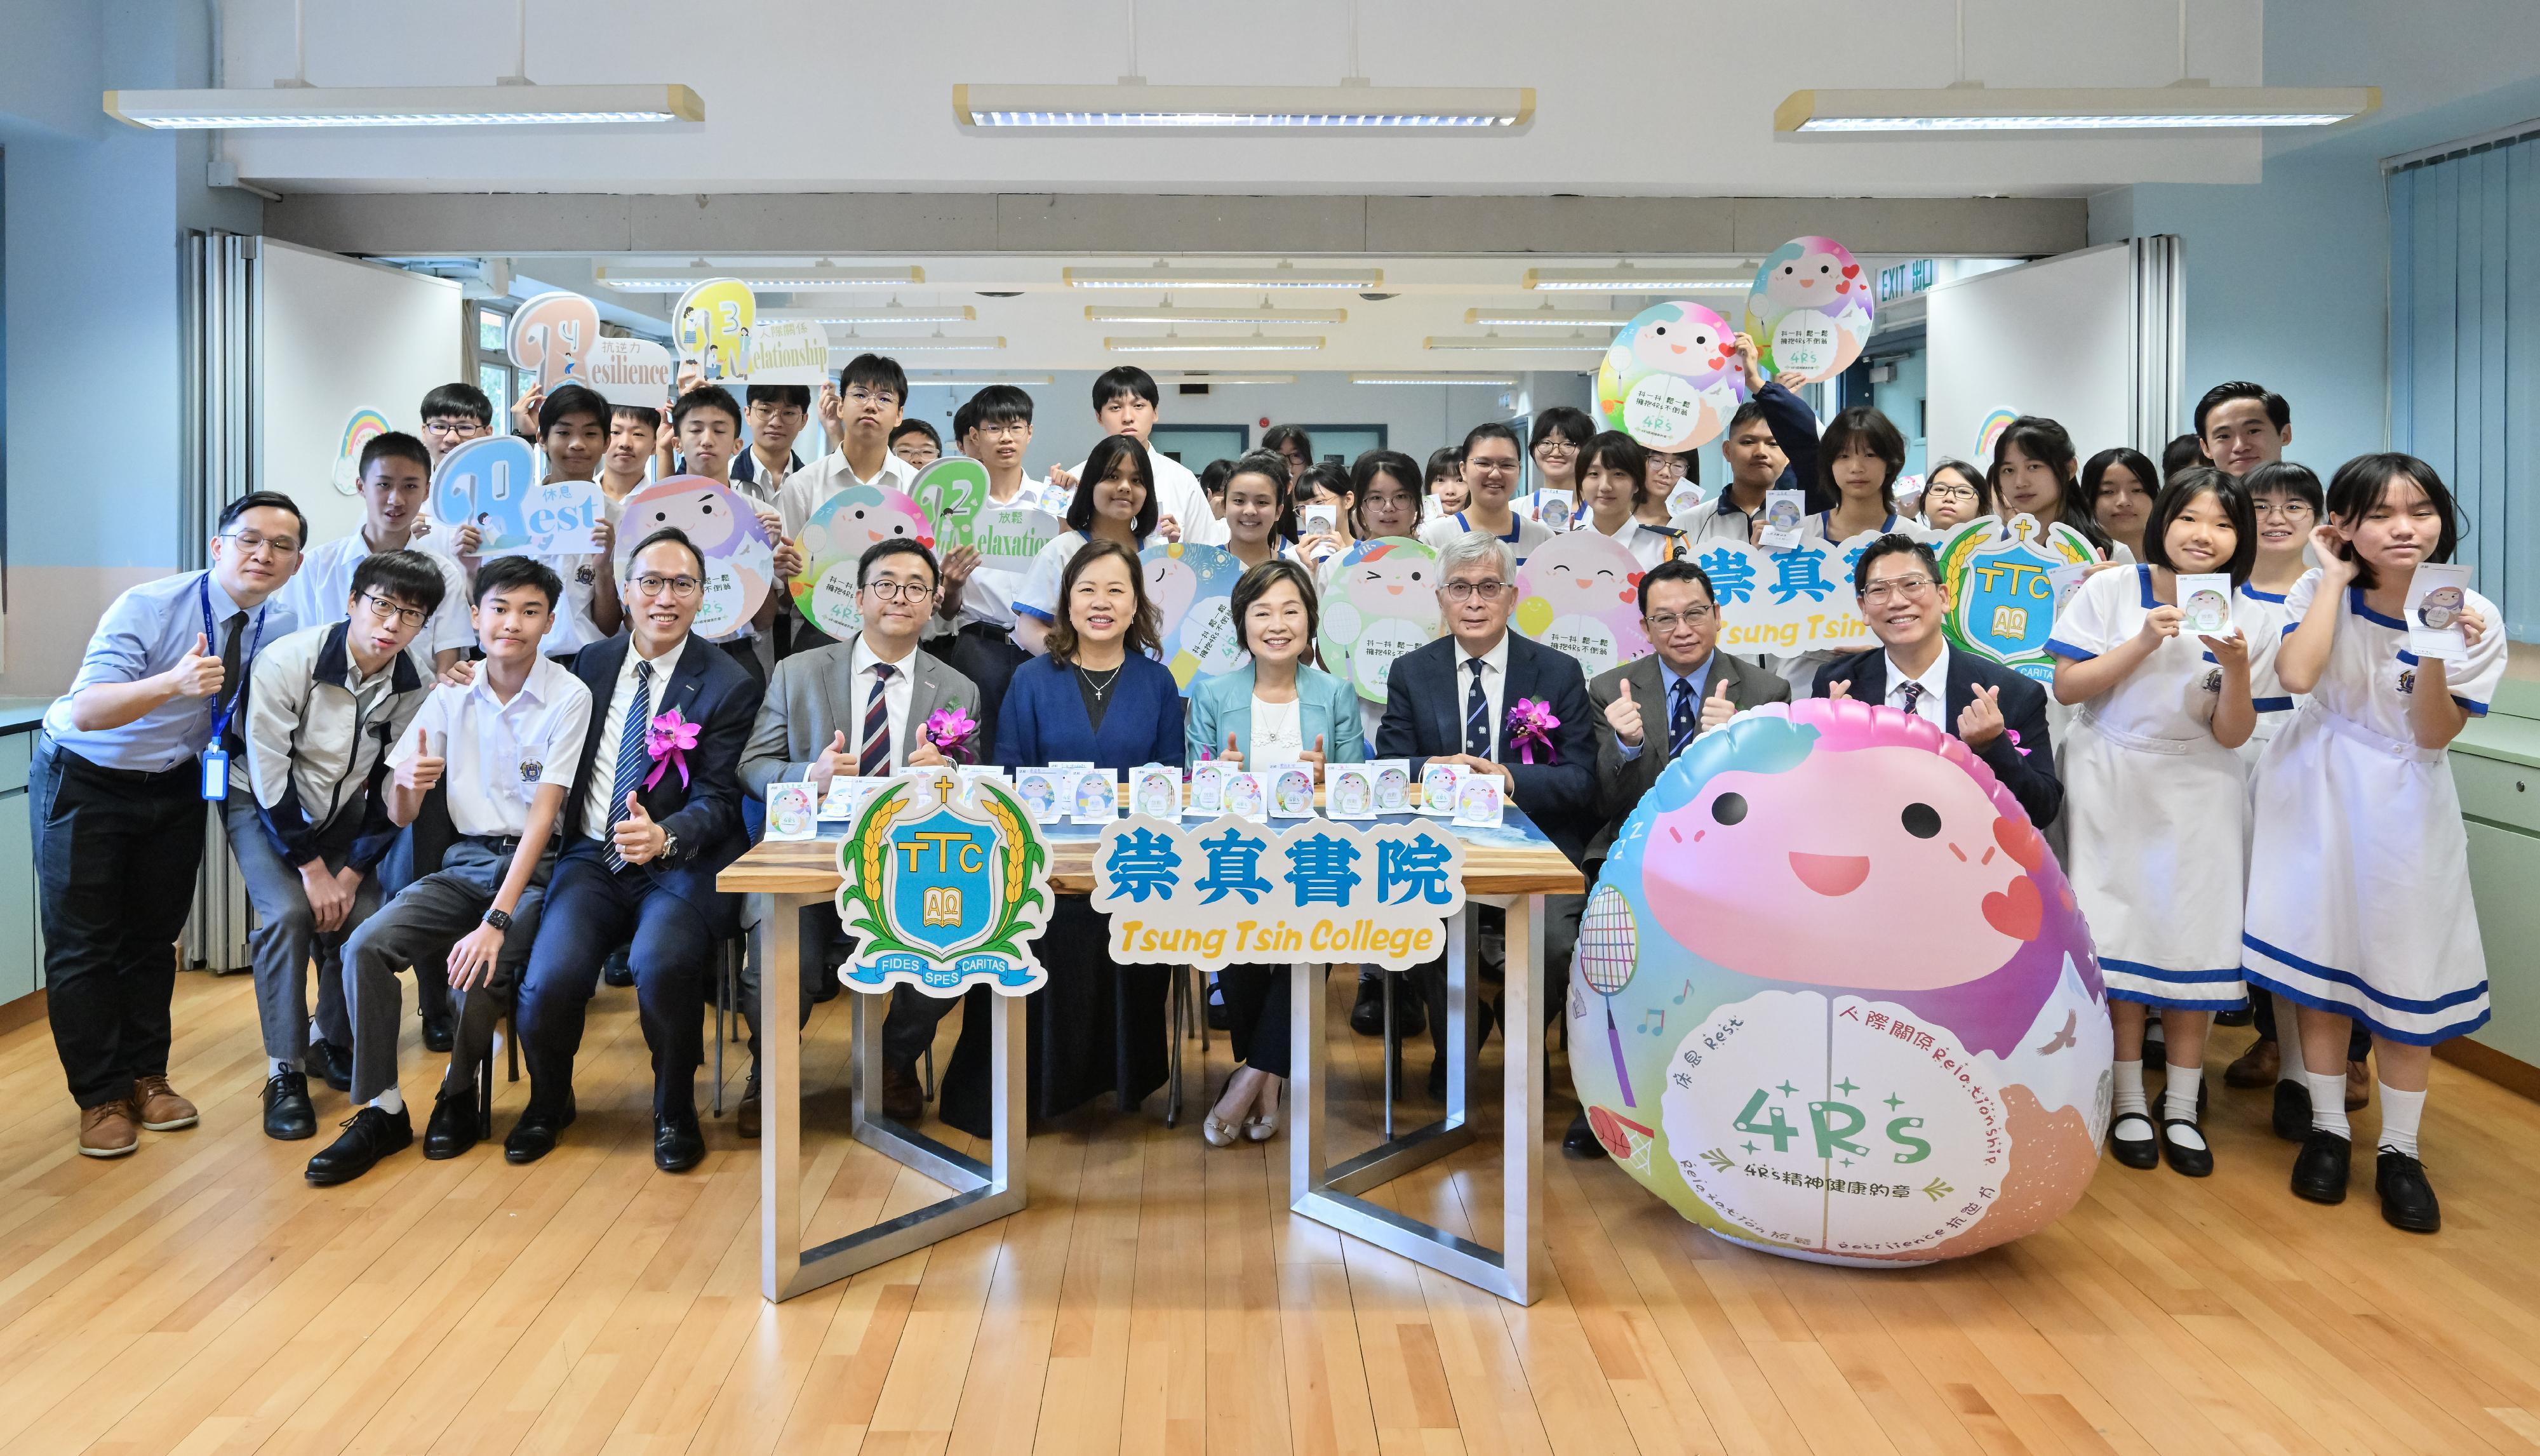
[389, 1101]
[2401, 1112]
[282, 1065]
[2130, 1100]
[2328, 1102]
[2178, 1102]
[314, 1033]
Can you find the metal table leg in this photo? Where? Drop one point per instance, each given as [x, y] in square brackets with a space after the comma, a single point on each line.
[982, 1192]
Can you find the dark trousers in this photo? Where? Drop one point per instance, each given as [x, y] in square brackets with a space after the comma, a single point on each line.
[907, 1029]
[589, 913]
[988, 656]
[1490, 928]
[116, 856]
[1256, 1015]
[418, 852]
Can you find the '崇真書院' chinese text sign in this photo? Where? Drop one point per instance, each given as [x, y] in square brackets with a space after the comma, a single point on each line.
[1233, 891]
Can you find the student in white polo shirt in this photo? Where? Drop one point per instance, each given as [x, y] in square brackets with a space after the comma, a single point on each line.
[860, 416]
[396, 478]
[974, 622]
[1125, 403]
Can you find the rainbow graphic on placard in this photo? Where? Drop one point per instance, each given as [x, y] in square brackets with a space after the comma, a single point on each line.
[366, 425]
[1990, 432]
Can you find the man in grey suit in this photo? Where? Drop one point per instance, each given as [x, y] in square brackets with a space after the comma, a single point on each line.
[859, 707]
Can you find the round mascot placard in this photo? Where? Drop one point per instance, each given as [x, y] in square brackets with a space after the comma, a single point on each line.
[1580, 594]
[1671, 379]
[1193, 589]
[1834, 999]
[1809, 309]
[741, 562]
[1381, 604]
[834, 542]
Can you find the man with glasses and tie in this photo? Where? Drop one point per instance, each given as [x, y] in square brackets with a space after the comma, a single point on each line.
[1997, 712]
[654, 816]
[127, 761]
[859, 708]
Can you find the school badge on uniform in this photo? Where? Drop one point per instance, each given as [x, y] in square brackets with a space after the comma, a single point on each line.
[944, 894]
[2000, 583]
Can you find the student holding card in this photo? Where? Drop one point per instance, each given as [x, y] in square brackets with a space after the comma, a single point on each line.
[2153, 796]
[1275, 711]
[1771, 443]
[574, 426]
[2360, 899]
[1559, 437]
[1125, 404]
[1323, 500]
[974, 623]
[396, 481]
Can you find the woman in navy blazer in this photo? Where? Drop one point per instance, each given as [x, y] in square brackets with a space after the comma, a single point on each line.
[1316, 719]
[1098, 696]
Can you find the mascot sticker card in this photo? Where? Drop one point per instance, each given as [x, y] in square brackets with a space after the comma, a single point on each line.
[1477, 800]
[1093, 796]
[2435, 595]
[1208, 787]
[1248, 795]
[1155, 790]
[1349, 790]
[1043, 791]
[2205, 603]
[1392, 779]
[1291, 789]
[1782, 511]
[1438, 783]
[792, 811]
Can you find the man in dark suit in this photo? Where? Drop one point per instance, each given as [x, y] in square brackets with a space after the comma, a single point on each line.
[1997, 712]
[645, 833]
[1449, 701]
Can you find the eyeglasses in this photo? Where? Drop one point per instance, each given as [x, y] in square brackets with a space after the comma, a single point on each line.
[1665, 622]
[872, 396]
[1011, 429]
[1463, 591]
[382, 609]
[251, 543]
[900, 591]
[1949, 493]
[1556, 446]
[776, 414]
[1492, 466]
[1897, 589]
[2287, 509]
[464, 429]
[651, 583]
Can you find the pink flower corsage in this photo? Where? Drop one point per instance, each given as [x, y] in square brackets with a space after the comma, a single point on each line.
[2015, 741]
[668, 737]
[1529, 727]
[952, 732]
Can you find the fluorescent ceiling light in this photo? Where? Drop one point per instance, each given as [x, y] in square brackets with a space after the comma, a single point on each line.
[933, 314]
[1546, 316]
[914, 381]
[1252, 280]
[1421, 377]
[1627, 279]
[931, 343]
[1170, 314]
[1492, 343]
[404, 106]
[798, 279]
[2073, 109]
[1217, 378]
[1191, 344]
[1349, 107]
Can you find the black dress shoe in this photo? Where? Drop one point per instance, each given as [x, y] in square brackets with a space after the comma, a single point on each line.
[2407, 1199]
[1580, 1140]
[452, 1128]
[824, 983]
[438, 1033]
[2321, 1168]
[2239, 1015]
[1367, 1013]
[2292, 1111]
[332, 1064]
[615, 971]
[2194, 1162]
[677, 1144]
[1215, 1011]
[288, 1115]
[2134, 1153]
[745, 1120]
[533, 1137]
[904, 1100]
[369, 1135]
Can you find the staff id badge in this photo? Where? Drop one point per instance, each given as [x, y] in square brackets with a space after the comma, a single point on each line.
[216, 773]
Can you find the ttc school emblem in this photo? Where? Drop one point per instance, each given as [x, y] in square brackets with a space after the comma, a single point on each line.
[941, 893]
[2002, 598]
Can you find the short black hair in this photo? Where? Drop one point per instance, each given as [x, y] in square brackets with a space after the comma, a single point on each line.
[916, 427]
[705, 396]
[458, 397]
[896, 546]
[965, 417]
[675, 538]
[1109, 453]
[568, 400]
[1000, 404]
[1368, 468]
[2362, 483]
[1973, 474]
[1488, 430]
[1445, 460]
[1278, 438]
[2042, 438]
[504, 573]
[1256, 582]
[2095, 472]
[1895, 543]
[2185, 452]
[1618, 452]
[874, 372]
[1212, 476]
[1122, 379]
[1746, 414]
[2173, 501]
[779, 395]
[396, 444]
[1678, 570]
[2284, 477]
[261, 500]
[2279, 413]
[1272, 466]
[642, 414]
[1692, 462]
[1866, 426]
[1570, 423]
[407, 578]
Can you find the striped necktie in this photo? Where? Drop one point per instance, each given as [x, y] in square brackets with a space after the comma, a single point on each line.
[1477, 714]
[1682, 720]
[630, 758]
[1913, 692]
[875, 761]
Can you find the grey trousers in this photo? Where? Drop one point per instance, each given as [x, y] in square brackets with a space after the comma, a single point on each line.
[285, 938]
[419, 926]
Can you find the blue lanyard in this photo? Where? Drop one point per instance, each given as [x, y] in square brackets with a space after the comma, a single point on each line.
[221, 715]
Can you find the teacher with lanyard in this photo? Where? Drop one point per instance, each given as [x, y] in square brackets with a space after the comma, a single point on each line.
[129, 758]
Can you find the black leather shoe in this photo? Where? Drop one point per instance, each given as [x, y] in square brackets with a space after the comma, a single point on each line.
[615, 971]
[2134, 1153]
[2194, 1162]
[288, 1114]
[745, 1119]
[452, 1128]
[677, 1144]
[1580, 1140]
[2321, 1168]
[438, 1033]
[332, 1064]
[903, 1097]
[1215, 1010]
[2239, 1015]
[824, 985]
[1437, 1079]
[369, 1135]
[533, 1137]
[2407, 1199]
[2292, 1111]
[1367, 1013]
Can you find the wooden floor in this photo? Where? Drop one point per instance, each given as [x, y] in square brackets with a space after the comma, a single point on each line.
[1156, 1297]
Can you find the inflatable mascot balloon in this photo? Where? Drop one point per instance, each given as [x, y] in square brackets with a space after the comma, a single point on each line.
[1834, 999]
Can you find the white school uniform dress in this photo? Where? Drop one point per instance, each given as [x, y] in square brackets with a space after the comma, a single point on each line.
[1648, 544]
[2358, 891]
[1527, 534]
[2158, 854]
[2265, 616]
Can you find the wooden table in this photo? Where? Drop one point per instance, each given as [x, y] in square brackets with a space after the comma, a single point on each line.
[1514, 869]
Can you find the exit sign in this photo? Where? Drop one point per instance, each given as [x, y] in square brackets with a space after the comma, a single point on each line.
[1906, 279]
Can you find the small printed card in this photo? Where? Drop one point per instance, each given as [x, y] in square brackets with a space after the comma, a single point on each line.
[1208, 787]
[1315, 520]
[1553, 508]
[1043, 791]
[1438, 783]
[1064, 764]
[1155, 790]
[2067, 579]
[2205, 604]
[1248, 795]
[1349, 790]
[1782, 511]
[1291, 789]
[2435, 595]
[847, 795]
[793, 811]
[1477, 799]
[1093, 796]
[1392, 779]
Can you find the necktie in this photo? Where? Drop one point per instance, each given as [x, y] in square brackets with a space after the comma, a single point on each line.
[1477, 714]
[1913, 692]
[875, 761]
[233, 682]
[1682, 720]
[630, 758]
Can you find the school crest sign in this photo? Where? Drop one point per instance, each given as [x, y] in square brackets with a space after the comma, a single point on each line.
[944, 894]
[2005, 582]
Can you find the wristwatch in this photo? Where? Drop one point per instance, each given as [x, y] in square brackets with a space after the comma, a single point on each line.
[669, 844]
[500, 920]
